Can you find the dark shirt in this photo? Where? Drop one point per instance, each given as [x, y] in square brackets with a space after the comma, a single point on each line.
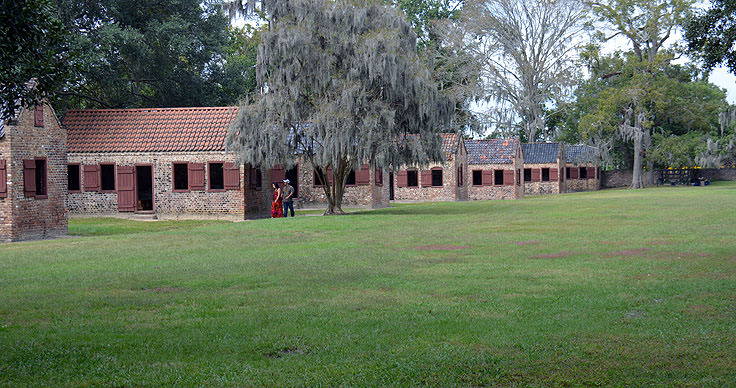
[288, 192]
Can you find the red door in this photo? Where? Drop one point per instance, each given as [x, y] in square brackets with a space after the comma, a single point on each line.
[126, 188]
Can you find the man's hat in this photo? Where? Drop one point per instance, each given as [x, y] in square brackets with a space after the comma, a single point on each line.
[286, 181]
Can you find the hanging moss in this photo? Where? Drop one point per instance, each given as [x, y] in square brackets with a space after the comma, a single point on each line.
[342, 85]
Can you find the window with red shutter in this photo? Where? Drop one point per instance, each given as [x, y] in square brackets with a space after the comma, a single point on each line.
[487, 177]
[477, 178]
[196, 176]
[38, 116]
[41, 178]
[278, 173]
[350, 179]
[545, 175]
[583, 173]
[508, 177]
[573, 172]
[536, 174]
[330, 175]
[107, 177]
[216, 178]
[73, 178]
[179, 177]
[591, 173]
[460, 176]
[437, 180]
[518, 177]
[363, 176]
[426, 178]
[554, 174]
[497, 177]
[3, 180]
[232, 176]
[91, 178]
[402, 179]
[29, 178]
[378, 176]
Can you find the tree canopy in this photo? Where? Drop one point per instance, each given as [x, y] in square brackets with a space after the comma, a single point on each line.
[32, 45]
[342, 85]
[711, 34]
[139, 53]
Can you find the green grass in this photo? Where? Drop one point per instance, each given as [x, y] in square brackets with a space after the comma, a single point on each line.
[639, 291]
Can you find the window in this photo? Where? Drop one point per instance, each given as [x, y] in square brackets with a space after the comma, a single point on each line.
[412, 179]
[180, 175]
[527, 175]
[477, 178]
[72, 178]
[498, 177]
[38, 116]
[379, 176]
[41, 184]
[518, 177]
[216, 177]
[350, 181]
[583, 173]
[567, 172]
[107, 177]
[437, 177]
[545, 175]
[316, 178]
[460, 177]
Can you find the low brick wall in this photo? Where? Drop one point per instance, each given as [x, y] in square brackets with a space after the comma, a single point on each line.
[717, 174]
[616, 178]
[490, 192]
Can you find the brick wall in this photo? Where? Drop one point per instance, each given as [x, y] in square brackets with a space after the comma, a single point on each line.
[590, 184]
[540, 187]
[447, 192]
[372, 195]
[479, 192]
[167, 202]
[34, 217]
[616, 178]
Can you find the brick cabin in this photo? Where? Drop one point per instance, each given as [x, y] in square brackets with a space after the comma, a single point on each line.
[33, 186]
[166, 161]
[582, 168]
[543, 163]
[495, 169]
[366, 187]
[438, 181]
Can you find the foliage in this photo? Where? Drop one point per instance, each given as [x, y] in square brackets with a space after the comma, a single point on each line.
[526, 50]
[141, 53]
[711, 34]
[32, 45]
[342, 86]
[635, 281]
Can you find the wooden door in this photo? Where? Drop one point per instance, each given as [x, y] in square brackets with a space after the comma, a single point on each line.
[126, 188]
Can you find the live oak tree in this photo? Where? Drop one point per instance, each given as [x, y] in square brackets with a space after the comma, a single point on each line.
[342, 85]
[527, 50]
[647, 25]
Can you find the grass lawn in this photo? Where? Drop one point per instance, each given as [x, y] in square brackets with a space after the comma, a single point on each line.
[613, 288]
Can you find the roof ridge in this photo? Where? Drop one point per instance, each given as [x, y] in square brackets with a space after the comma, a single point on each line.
[153, 109]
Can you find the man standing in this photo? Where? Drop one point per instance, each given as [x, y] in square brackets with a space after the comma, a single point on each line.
[288, 193]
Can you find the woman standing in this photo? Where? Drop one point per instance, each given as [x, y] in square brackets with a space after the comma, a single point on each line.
[277, 206]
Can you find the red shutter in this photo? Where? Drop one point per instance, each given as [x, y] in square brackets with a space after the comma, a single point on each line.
[363, 176]
[553, 174]
[126, 188]
[378, 176]
[38, 116]
[591, 172]
[574, 173]
[487, 178]
[196, 176]
[536, 175]
[330, 175]
[278, 173]
[426, 178]
[252, 177]
[231, 175]
[402, 180]
[91, 178]
[508, 177]
[29, 178]
[3, 180]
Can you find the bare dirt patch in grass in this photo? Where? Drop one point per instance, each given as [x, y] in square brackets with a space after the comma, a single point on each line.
[552, 255]
[699, 310]
[440, 247]
[631, 252]
[530, 242]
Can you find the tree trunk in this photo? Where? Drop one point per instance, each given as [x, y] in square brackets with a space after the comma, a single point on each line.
[636, 180]
[334, 199]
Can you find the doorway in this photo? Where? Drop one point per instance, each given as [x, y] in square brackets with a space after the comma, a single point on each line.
[144, 188]
[293, 176]
[391, 186]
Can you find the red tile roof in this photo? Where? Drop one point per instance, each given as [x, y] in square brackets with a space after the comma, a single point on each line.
[148, 130]
[449, 144]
